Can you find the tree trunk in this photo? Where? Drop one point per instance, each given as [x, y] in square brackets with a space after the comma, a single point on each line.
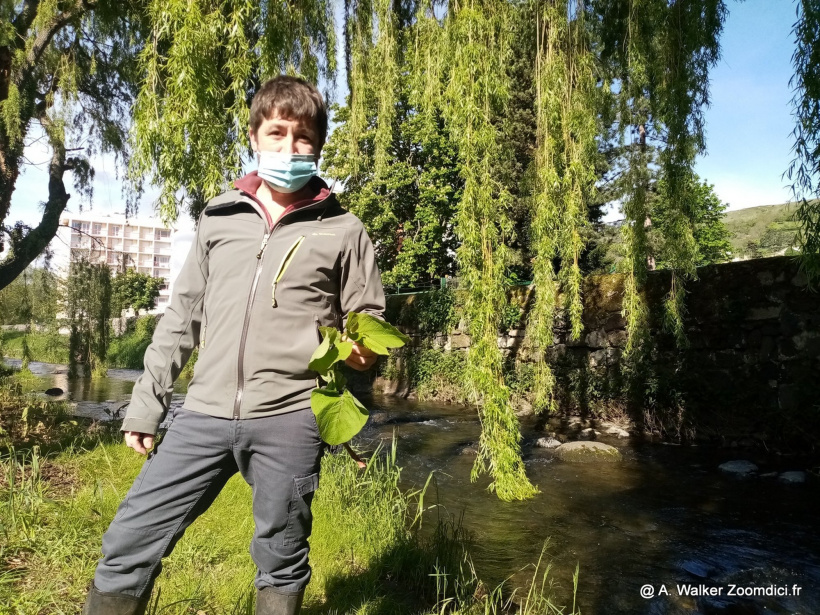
[24, 248]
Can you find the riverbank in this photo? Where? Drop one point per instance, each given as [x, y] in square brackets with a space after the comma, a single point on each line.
[62, 478]
[125, 351]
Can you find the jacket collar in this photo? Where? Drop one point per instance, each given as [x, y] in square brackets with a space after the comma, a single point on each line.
[318, 191]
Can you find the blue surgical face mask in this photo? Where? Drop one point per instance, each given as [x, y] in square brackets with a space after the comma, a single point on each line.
[286, 172]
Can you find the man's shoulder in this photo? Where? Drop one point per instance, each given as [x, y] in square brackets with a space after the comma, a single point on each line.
[344, 218]
[226, 198]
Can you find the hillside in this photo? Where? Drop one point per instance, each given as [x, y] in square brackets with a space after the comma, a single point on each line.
[767, 230]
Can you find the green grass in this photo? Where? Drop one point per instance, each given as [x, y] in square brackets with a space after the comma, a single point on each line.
[368, 553]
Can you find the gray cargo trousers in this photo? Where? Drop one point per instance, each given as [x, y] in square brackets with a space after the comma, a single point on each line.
[278, 456]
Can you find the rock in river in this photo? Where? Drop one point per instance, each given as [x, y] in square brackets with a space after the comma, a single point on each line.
[547, 443]
[580, 452]
[795, 477]
[740, 468]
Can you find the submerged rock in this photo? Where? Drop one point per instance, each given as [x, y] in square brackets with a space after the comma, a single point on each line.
[54, 391]
[524, 409]
[739, 468]
[795, 477]
[614, 430]
[588, 434]
[547, 443]
[580, 452]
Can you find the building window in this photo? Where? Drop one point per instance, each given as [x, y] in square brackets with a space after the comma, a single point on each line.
[161, 261]
[83, 227]
[114, 230]
[96, 229]
[162, 300]
[162, 233]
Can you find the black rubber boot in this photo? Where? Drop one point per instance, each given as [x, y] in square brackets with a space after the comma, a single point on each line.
[271, 602]
[103, 603]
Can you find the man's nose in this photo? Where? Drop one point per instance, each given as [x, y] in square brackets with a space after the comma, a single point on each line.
[288, 144]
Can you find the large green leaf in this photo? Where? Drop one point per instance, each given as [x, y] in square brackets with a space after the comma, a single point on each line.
[340, 416]
[329, 351]
[375, 334]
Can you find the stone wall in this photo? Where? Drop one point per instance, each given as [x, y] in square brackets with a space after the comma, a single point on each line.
[750, 371]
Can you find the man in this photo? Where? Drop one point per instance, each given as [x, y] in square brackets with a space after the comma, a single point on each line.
[272, 261]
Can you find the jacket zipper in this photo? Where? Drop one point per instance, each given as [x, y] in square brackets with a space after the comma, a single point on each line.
[240, 365]
[286, 260]
[204, 326]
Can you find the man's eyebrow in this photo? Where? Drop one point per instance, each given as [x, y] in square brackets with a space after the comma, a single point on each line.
[305, 128]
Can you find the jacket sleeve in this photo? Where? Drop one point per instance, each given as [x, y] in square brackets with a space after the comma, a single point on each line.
[176, 336]
[361, 283]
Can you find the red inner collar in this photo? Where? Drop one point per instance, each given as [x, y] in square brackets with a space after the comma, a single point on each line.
[317, 189]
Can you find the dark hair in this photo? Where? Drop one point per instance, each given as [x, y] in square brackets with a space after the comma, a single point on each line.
[291, 98]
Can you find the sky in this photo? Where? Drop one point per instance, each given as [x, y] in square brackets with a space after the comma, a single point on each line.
[748, 125]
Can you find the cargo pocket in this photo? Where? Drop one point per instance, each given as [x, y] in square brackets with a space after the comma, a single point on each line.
[300, 519]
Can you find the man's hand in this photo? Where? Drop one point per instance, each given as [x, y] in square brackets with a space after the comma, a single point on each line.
[362, 358]
[140, 442]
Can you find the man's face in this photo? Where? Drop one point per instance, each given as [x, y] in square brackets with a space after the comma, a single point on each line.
[278, 134]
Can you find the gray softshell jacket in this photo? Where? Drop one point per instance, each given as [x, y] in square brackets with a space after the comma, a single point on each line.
[252, 295]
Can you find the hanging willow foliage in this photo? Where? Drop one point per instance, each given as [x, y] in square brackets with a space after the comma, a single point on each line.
[476, 85]
[691, 48]
[459, 74]
[201, 66]
[565, 167]
[805, 168]
[359, 32]
[660, 53]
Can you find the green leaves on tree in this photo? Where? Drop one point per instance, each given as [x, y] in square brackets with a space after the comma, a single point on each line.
[339, 415]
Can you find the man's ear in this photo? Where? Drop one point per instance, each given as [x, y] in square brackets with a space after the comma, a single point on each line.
[252, 136]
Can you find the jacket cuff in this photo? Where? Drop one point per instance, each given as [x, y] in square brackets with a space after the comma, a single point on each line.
[140, 425]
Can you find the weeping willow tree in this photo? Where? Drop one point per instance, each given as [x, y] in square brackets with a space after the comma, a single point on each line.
[566, 95]
[458, 74]
[200, 68]
[88, 315]
[805, 168]
[66, 82]
[647, 58]
[444, 69]
[658, 54]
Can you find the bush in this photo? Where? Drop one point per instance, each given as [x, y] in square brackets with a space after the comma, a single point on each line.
[127, 351]
[429, 313]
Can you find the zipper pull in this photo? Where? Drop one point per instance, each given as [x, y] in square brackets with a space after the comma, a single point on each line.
[264, 245]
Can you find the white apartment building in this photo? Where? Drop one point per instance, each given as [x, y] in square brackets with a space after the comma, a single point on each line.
[143, 244]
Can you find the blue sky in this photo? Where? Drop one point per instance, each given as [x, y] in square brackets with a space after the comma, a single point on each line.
[748, 125]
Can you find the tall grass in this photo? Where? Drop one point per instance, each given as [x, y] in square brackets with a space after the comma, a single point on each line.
[367, 553]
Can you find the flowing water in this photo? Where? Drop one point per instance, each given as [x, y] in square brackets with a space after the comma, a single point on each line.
[663, 517]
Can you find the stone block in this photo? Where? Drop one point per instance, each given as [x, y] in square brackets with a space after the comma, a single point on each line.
[764, 313]
[597, 358]
[766, 278]
[457, 341]
[596, 339]
[617, 338]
